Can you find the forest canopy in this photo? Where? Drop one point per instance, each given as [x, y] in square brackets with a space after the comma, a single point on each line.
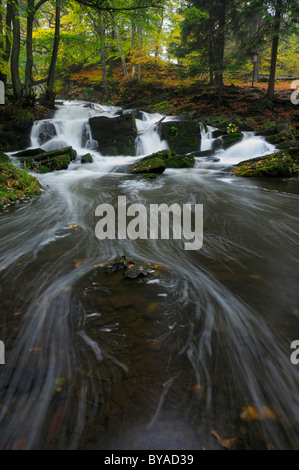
[44, 41]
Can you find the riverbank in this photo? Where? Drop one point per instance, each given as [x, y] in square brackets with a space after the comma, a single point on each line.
[15, 184]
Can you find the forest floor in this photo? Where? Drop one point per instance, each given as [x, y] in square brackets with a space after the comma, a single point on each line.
[164, 90]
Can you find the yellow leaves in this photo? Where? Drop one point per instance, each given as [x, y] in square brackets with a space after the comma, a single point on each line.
[227, 443]
[60, 383]
[250, 413]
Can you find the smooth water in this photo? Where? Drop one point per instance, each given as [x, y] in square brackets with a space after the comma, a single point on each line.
[186, 359]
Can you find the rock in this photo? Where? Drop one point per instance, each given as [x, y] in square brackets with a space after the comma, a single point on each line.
[182, 136]
[86, 158]
[115, 136]
[47, 132]
[230, 139]
[132, 268]
[292, 148]
[276, 165]
[163, 159]
[150, 164]
[50, 161]
[29, 152]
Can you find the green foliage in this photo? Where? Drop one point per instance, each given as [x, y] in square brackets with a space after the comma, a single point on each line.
[232, 128]
[16, 184]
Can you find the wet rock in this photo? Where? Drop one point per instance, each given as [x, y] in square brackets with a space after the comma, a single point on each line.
[29, 152]
[155, 162]
[50, 161]
[280, 165]
[182, 136]
[231, 139]
[115, 136]
[131, 267]
[86, 158]
[150, 164]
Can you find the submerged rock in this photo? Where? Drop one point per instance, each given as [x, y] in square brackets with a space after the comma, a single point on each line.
[131, 267]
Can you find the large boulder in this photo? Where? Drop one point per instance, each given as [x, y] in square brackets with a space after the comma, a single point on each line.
[182, 136]
[115, 136]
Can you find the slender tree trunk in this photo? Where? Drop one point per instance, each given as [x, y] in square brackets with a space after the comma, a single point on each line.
[29, 54]
[110, 60]
[133, 47]
[211, 62]
[220, 50]
[121, 52]
[51, 73]
[275, 42]
[101, 31]
[140, 49]
[7, 48]
[15, 53]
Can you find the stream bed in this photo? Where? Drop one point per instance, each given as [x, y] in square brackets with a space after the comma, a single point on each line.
[196, 355]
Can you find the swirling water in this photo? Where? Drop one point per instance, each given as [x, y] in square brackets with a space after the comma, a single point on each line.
[184, 360]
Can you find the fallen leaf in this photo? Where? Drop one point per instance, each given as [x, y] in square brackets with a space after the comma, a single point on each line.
[227, 443]
[250, 413]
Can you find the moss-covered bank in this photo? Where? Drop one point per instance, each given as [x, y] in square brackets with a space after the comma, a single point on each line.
[15, 184]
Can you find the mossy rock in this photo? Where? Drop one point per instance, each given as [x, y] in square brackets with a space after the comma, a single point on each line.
[151, 164]
[86, 158]
[231, 139]
[54, 160]
[182, 136]
[172, 160]
[178, 161]
[115, 136]
[276, 165]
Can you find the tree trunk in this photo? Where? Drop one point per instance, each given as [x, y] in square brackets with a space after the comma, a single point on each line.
[50, 81]
[211, 62]
[133, 48]
[29, 54]
[101, 32]
[15, 53]
[275, 42]
[121, 52]
[140, 49]
[220, 50]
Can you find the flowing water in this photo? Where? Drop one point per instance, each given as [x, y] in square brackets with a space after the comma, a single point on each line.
[196, 356]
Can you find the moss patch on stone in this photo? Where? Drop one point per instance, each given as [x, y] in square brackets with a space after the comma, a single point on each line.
[277, 164]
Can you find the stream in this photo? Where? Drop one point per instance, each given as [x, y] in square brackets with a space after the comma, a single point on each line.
[194, 357]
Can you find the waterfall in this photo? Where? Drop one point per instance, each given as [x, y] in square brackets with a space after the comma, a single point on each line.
[149, 140]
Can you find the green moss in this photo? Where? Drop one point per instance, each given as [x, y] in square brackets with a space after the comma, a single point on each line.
[86, 158]
[279, 165]
[16, 184]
